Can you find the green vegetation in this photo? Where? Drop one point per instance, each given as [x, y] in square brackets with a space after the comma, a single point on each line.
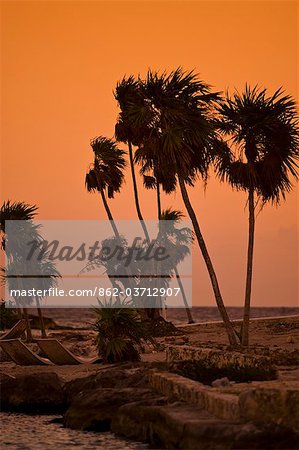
[120, 332]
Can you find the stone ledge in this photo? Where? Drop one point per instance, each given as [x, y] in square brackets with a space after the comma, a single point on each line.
[262, 405]
[219, 358]
[266, 405]
[223, 406]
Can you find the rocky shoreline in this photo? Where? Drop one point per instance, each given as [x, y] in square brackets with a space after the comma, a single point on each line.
[149, 404]
[154, 402]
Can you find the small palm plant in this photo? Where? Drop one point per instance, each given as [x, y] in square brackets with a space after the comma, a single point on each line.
[120, 331]
[260, 157]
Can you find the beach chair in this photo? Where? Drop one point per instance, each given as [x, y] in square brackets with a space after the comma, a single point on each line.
[16, 331]
[60, 355]
[21, 354]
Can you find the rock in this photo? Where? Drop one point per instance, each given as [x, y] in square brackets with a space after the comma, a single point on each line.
[276, 405]
[221, 382]
[222, 405]
[186, 427]
[207, 364]
[94, 410]
[34, 393]
[113, 377]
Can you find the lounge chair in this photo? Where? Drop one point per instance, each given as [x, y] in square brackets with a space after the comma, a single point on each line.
[60, 355]
[21, 354]
[16, 331]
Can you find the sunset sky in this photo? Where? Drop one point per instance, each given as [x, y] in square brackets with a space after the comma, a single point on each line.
[60, 63]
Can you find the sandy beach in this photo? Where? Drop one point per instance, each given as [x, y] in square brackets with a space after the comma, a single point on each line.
[268, 336]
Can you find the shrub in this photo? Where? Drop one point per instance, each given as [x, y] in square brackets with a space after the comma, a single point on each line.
[120, 332]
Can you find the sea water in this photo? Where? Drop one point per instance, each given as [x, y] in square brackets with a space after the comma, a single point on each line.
[26, 432]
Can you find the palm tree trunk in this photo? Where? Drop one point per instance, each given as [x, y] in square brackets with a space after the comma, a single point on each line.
[113, 225]
[159, 201]
[188, 311]
[246, 316]
[28, 328]
[41, 319]
[138, 210]
[202, 245]
[151, 312]
[109, 214]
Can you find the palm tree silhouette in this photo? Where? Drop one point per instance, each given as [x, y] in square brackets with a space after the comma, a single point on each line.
[106, 176]
[127, 93]
[178, 143]
[260, 156]
[39, 274]
[20, 273]
[16, 211]
[174, 216]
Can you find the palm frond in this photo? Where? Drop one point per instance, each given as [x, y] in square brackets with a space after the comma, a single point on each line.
[263, 135]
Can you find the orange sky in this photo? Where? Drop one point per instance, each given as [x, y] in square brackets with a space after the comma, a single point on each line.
[60, 63]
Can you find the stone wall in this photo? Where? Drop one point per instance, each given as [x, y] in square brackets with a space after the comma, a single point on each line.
[267, 405]
[218, 358]
[222, 405]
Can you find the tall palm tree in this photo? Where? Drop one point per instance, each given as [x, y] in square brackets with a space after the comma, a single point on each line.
[260, 157]
[150, 182]
[178, 143]
[127, 93]
[22, 274]
[16, 211]
[47, 278]
[106, 176]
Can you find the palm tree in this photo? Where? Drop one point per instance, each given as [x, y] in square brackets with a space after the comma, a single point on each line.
[106, 176]
[21, 273]
[174, 217]
[43, 282]
[261, 158]
[127, 93]
[150, 182]
[17, 211]
[179, 143]
[14, 211]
